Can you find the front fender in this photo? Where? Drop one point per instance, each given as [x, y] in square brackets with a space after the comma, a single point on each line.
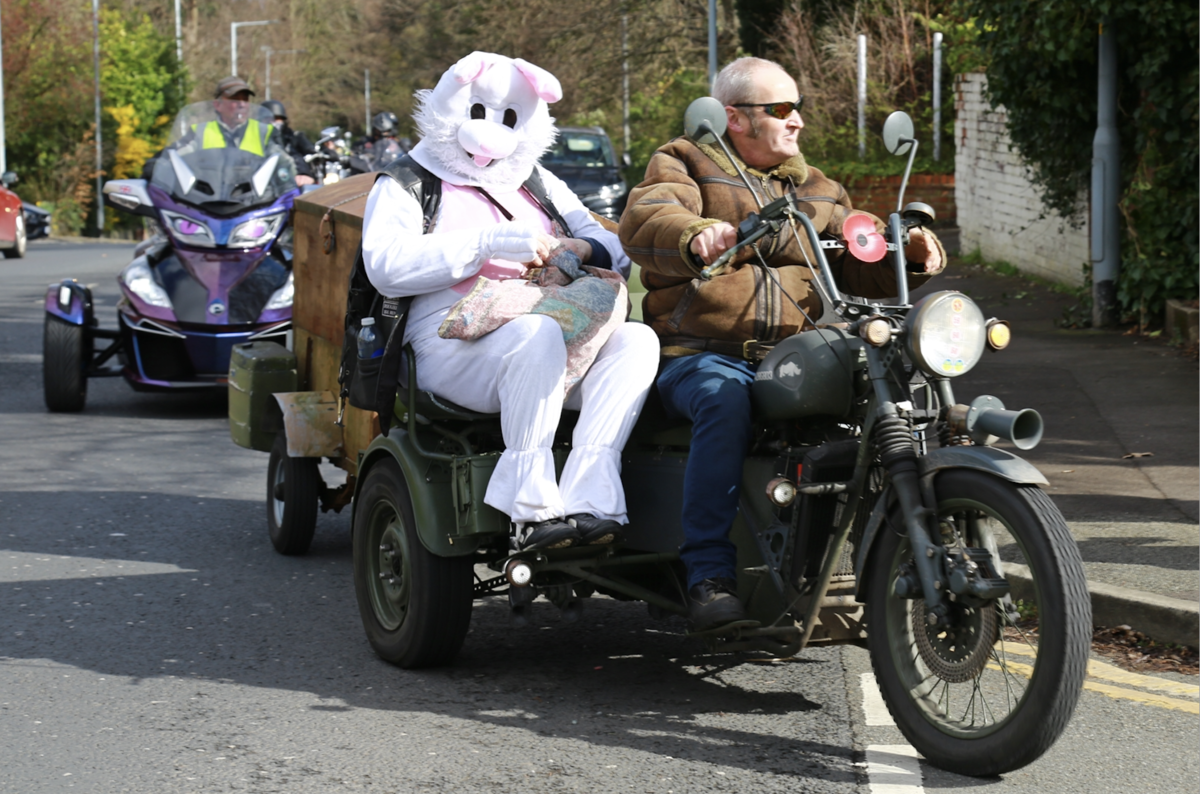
[432, 501]
[990, 460]
[76, 309]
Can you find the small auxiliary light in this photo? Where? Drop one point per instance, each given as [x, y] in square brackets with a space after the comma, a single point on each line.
[999, 334]
[781, 491]
[876, 332]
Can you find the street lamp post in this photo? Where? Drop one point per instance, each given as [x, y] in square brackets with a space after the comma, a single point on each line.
[233, 27]
[99, 145]
[269, 51]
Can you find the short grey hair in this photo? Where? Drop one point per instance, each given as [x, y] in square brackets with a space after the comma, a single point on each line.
[735, 83]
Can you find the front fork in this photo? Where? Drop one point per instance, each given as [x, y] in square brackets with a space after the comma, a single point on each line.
[897, 452]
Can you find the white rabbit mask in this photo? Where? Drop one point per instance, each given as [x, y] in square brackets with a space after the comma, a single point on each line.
[487, 122]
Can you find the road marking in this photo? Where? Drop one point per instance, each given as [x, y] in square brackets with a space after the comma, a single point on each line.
[893, 769]
[874, 708]
[26, 566]
[1112, 691]
[1107, 672]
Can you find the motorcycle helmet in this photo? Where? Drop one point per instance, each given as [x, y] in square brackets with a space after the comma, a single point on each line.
[385, 123]
[276, 107]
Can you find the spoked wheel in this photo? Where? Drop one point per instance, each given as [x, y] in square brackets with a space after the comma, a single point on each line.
[293, 485]
[66, 353]
[990, 694]
[21, 243]
[415, 606]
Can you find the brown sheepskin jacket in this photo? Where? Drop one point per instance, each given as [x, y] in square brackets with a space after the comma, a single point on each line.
[689, 187]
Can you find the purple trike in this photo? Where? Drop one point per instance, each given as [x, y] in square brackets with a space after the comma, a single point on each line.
[216, 272]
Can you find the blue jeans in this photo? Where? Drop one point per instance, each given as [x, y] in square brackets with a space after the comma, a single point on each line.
[713, 391]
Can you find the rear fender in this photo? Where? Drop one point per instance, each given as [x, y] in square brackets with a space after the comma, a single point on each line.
[70, 301]
[989, 460]
[432, 500]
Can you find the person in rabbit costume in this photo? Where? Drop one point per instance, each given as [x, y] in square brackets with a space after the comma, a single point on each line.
[483, 129]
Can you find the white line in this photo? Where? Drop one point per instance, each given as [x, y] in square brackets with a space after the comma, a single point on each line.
[893, 769]
[874, 708]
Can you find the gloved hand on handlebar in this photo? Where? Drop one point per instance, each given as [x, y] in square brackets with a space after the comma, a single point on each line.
[516, 241]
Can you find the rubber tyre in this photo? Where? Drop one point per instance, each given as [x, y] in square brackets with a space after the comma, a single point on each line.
[66, 353]
[293, 486]
[417, 614]
[21, 244]
[1039, 716]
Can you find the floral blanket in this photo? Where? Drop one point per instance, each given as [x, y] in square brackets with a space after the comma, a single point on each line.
[588, 303]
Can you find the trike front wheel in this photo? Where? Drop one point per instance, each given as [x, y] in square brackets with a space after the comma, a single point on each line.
[415, 606]
[994, 691]
[66, 353]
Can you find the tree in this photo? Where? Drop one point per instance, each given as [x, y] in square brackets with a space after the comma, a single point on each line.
[1042, 69]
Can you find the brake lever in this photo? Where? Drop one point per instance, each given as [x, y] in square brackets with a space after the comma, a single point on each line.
[757, 225]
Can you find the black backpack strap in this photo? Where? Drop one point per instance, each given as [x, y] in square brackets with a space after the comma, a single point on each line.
[537, 189]
[426, 189]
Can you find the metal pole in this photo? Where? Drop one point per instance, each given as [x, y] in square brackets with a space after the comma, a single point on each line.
[233, 26]
[1106, 188]
[712, 43]
[367, 93]
[625, 81]
[937, 96]
[862, 95]
[267, 52]
[178, 34]
[3, 143]
[99, 137]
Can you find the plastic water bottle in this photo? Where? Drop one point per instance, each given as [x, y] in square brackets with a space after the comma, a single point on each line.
[368, 344]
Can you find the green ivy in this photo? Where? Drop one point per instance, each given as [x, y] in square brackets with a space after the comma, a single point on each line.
[1042, 68]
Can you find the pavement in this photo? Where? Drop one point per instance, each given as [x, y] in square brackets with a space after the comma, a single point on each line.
[1122, 417]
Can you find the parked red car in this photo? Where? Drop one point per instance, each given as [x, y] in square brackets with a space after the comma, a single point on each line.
[13, 238]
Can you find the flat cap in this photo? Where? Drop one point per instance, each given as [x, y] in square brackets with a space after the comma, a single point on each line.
[229, 86]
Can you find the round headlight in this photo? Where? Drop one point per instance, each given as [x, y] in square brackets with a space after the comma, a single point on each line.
[946, 334]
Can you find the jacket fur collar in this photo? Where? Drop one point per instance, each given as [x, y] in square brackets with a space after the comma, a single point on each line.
[794, 167]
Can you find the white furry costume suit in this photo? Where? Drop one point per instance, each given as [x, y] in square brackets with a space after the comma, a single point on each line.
[485, 125]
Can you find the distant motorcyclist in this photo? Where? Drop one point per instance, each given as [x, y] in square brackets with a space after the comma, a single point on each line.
[233, 126]
[375, 152]
[294, 142]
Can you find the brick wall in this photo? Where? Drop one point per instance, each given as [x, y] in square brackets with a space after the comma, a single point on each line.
[877, 195]
[998, 208]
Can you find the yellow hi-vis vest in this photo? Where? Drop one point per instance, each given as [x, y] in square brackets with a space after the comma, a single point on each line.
[252, 139]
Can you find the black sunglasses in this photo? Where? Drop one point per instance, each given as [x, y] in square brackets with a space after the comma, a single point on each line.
[780, 110]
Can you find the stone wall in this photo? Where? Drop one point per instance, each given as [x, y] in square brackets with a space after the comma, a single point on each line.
[998, 208]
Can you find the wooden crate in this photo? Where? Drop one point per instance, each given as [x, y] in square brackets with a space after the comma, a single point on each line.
[322, 274]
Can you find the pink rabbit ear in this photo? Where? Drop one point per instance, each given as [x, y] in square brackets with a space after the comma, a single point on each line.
[470, 67]
[545, 85]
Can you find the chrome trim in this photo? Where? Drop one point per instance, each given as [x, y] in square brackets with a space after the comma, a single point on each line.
[274, 330]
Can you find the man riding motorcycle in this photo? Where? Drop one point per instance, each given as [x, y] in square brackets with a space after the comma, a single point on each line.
[682, 217]
[233, 126]
[294, 142]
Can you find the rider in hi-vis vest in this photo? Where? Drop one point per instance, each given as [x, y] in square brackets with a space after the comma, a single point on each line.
[253, 137]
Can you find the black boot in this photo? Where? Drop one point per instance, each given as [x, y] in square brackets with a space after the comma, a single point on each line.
[595, 531]
[713, 603]
[553, 533]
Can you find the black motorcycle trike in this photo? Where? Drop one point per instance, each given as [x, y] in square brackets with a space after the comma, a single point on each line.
[874, 509]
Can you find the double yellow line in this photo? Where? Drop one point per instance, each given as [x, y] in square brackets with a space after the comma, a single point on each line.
[1106, 672]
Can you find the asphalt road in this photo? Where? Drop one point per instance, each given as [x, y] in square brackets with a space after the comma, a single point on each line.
[152, 641]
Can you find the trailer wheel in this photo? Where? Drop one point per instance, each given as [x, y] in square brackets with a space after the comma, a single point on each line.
[415, 606]
[66, 353]
[293, 486]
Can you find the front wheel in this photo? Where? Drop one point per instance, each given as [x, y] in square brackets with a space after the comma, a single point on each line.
[66, 353]
[415, 606]
[293, 485]
[991, 693]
